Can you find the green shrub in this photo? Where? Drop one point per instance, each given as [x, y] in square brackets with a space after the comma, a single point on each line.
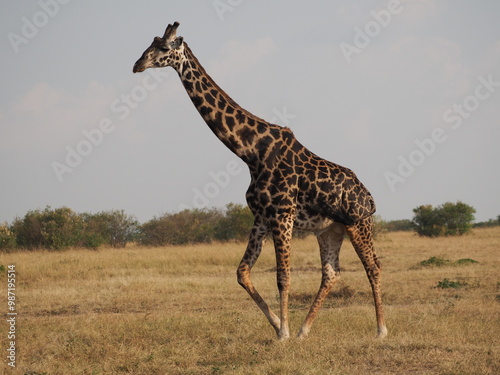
[53, 229]
[114, 228]
[28, 231]
[188, 226]
[198, 226]
[93, 241]
[465, 261]
[235, 225]
[400, 225]
[61, 228]
[447, 284]
[380, 226]
[489, 223]
[435, 262]
[7, 238]
[441, 262]
[449, 219]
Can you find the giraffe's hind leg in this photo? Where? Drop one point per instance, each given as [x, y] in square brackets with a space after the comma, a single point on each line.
[330, 242]
[254, 248]
[361, 235]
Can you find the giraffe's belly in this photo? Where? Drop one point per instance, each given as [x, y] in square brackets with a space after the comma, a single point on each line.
[312, 223]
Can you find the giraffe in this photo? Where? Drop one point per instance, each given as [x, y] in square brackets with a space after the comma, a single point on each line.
[290, 188]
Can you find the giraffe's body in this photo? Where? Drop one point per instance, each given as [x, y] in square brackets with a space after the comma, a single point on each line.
[290, 187]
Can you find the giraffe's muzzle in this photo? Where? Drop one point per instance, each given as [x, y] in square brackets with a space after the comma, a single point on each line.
[138, 67]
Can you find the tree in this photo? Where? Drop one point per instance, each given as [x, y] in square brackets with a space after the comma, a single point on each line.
[114, 228]
[236, 223]
[187, 226]
[379, 226]
[118, 227]
[457, 218]
[61, 228]
[7, 238]
[427, 222]
[489, 223]
[53, 229]
[448, 219]
[400, 225]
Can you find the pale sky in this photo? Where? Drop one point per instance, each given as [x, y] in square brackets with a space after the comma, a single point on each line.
[405, 93]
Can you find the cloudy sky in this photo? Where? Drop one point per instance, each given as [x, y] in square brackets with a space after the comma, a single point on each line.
[405, 93]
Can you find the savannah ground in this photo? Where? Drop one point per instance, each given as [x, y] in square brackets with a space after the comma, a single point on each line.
[179, 310]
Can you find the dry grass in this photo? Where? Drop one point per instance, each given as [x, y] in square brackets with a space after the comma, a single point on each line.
[179, 310]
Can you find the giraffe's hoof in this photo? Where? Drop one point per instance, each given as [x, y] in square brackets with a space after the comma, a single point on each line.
[303, 334]
[382, 332]
[283, 335]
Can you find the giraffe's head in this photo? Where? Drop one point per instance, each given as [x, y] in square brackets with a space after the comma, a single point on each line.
[165, 51]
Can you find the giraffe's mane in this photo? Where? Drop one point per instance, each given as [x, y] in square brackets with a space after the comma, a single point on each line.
[191, 56]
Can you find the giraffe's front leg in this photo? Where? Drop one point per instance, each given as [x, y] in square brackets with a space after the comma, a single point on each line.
[283, 278]
[282, 235]
[254, 248]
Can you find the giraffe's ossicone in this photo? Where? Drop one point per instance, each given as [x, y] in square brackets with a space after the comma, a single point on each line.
[290, 187]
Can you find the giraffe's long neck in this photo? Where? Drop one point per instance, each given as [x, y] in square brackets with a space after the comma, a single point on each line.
[237, 128]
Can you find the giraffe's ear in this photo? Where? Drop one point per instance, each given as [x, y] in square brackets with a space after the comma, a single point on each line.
[177, 42]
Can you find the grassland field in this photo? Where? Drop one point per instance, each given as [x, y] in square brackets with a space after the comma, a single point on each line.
[179, 310]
